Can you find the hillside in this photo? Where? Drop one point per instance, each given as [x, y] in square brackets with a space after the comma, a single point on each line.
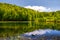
[9, 12]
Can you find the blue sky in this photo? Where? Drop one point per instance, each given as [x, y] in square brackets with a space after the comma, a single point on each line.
[53, 4]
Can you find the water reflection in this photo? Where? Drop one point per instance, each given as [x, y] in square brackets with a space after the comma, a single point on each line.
[46, 34]
[11, 28]
[41, 34]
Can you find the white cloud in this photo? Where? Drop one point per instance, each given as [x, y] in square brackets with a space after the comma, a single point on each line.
[39, 32]
[39, 8]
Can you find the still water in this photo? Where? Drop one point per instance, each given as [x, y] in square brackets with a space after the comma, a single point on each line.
[46, 34]
[31, 31]
[41, 34]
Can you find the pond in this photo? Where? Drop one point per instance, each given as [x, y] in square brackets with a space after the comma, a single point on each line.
[46, 34]
[41, 34]
[25, 31]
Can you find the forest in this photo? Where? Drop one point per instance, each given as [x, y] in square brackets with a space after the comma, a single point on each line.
[9, 12]
[35, 20]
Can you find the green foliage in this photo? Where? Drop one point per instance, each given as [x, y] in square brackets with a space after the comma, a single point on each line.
[36, 20]
[9, 12]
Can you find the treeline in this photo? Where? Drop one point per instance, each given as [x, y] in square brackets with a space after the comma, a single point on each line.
[9, 12]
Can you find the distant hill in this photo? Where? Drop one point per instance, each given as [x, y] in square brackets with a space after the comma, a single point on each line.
[9, 12]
